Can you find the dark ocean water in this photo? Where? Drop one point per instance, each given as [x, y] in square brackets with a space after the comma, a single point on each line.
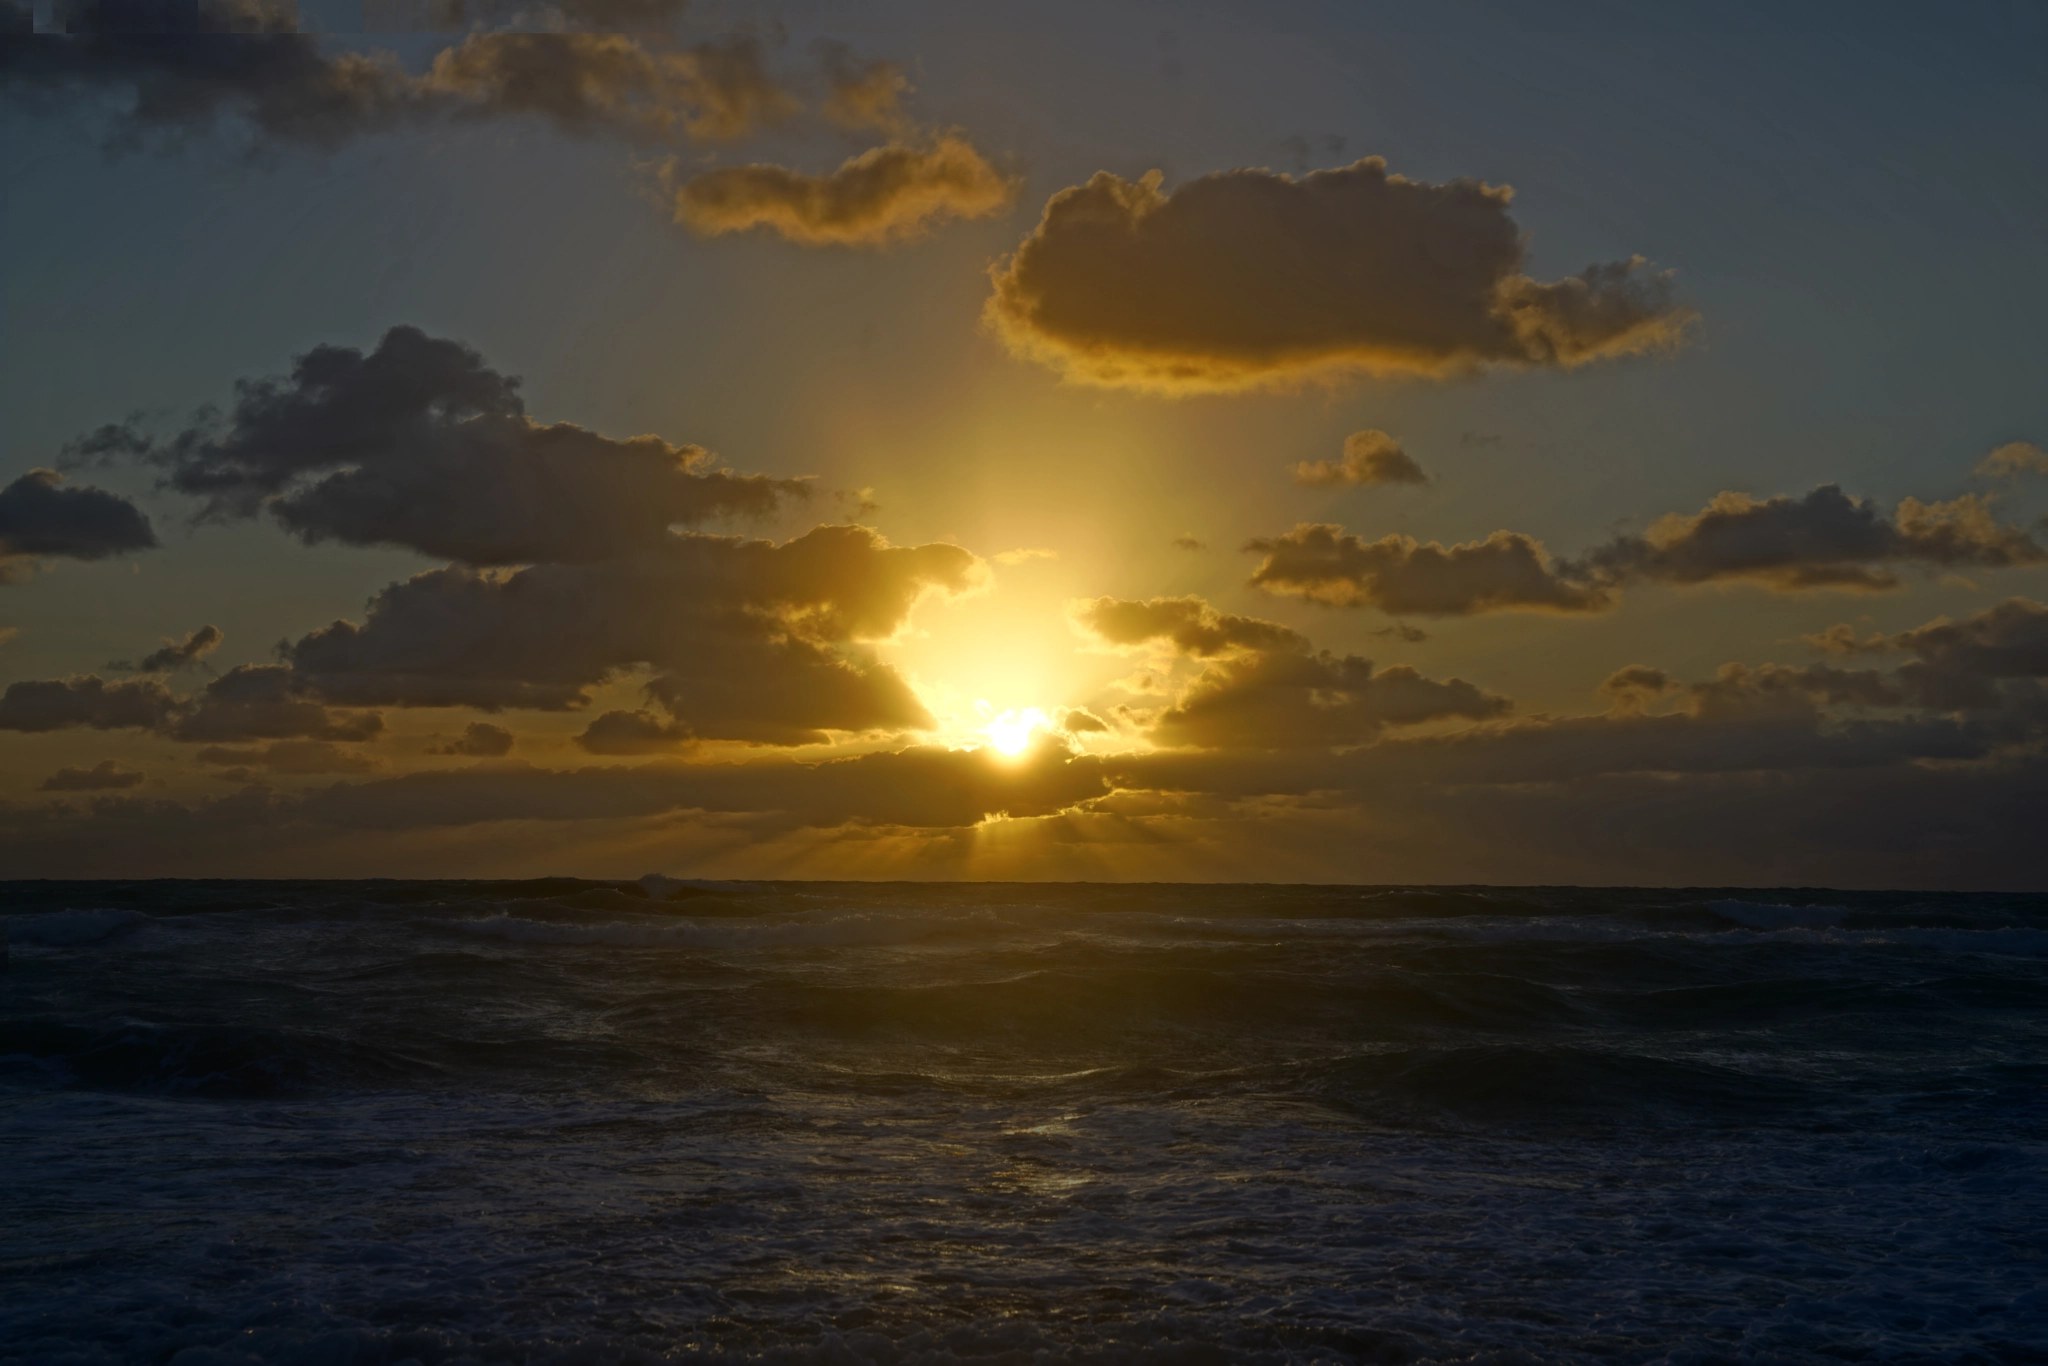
[446, 1122]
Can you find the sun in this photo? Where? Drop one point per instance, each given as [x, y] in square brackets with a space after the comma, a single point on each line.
[1010, 733]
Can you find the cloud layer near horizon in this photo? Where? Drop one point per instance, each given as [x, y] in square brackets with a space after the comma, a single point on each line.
[1253, 278]
[1760, 772]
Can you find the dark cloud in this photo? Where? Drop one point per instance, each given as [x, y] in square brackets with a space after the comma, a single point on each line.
[251, 702]
[749, 640]
[1192, 544]
[1265, 687]
[1827, 539]
[39, 517]
[1990, 661]
[635, 732]
[291, 758]
[1400, 575]
[1250, 277]
[177, 654]
[1633, 688]
[479, 740]
[884, 195]
[175, 68]
[420, 444]
[104, 776]
[265, 702]
[1370, 457]
[87, 700]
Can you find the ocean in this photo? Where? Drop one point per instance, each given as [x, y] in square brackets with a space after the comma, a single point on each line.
[588, 1122]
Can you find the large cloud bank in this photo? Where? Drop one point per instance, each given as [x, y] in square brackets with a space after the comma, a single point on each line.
[1247, 278]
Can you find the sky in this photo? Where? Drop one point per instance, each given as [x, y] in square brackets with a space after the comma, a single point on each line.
[1361, 443]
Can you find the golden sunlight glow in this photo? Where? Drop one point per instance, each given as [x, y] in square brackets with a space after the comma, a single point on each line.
[1010, 732]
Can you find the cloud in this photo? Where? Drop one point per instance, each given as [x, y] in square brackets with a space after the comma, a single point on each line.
[292, 757]
[420, 444]
[264, 702]
[635, 732]
[1370, 457]
[588, 84]
[1402, 576]
[2014, 458]
[179, 69]
[1993, 660]
[37, 705]
[863, 94]
[1024, 554]
[1192, 544]
[1081, 721]
[40, 517]
[925, 787]
[177, 654]
[1826, 539]
[104, 776]
[884, 195]
[1249, 277]
[748, 640]
[479, 740]
[250, 702]
[1629, 690]
[1264, 686]
[1188, 625]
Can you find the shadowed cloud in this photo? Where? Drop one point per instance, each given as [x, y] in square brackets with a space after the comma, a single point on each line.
[1370, 457]
[418, 443]
[1403, 576]
[1250, 277]
[1826, 539]
[40, 517]
[1264, 686]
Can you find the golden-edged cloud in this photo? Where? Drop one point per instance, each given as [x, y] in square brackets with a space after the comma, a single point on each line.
[1264, 686]
[418, 443]
[1369, 457]
[1402, 576]
[885, 195]
[1250, 277]
[1825, 539]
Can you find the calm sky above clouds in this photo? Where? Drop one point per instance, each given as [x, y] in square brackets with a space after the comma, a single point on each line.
[1029, 443]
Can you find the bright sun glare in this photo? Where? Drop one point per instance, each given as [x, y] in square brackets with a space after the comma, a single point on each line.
[1011, 731]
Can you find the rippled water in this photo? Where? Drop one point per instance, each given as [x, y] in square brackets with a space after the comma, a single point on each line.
[444, 1122]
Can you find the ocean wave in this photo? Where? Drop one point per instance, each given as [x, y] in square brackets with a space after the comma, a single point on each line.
[836, 932]
[1537, 1086]
[1766, 915]
[68, 929]
[206, 1061]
